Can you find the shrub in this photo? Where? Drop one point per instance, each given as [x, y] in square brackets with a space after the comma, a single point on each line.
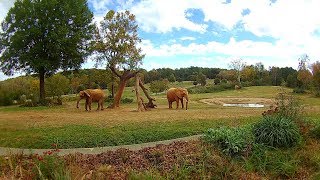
[282, 164]
[210, 89]
[276, 131]
[232, 141]
[289, 107]
[315, 132]
[126, 100]
[299, 90]
[216, 81]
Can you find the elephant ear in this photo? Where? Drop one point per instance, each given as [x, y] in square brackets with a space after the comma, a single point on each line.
[87, 94]
[179, 93]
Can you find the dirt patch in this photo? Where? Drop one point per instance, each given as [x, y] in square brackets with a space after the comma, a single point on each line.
[221, 101]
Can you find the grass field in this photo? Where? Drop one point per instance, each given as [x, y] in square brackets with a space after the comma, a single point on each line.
[39, 127]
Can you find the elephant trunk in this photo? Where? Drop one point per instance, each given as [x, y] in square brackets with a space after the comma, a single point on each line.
[187, 100]
[78, 102]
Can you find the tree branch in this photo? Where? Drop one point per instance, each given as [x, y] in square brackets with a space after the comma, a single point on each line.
[114, 71]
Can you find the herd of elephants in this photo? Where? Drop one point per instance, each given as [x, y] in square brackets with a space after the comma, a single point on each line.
[98, 95]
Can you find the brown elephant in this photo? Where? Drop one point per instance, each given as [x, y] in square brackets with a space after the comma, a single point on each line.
[177, 94]
[92, 95]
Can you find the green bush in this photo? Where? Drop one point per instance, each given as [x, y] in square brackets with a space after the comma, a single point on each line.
[281, 164]
[126, 100]
[232, 141]
[210, 89]
[276, 131]
[315, 132]
[299, 90]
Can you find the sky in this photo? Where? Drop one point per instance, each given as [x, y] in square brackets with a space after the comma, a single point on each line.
[212, 33]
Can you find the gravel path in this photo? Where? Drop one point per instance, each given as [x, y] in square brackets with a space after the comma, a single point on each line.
[97, 150]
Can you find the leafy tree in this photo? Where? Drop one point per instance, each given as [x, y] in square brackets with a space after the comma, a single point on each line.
[201, 79]
[315, 67]
[158, 86]
[229, 75]
[275, 75]
[117, 46]
[42, 36]
[171, 78]
[216, 81]
[304, 75]
[57, 85]
[249, 73]
[237, 65]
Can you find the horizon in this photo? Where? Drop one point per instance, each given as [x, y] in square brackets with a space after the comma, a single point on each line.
[179, 34]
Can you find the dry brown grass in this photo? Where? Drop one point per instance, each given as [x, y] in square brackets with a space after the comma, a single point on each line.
[125, 114]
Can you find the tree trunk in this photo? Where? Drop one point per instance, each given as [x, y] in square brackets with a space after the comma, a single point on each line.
[112, 89]
[141, 106]
[42, 90]
[145, 91]
[117, 98]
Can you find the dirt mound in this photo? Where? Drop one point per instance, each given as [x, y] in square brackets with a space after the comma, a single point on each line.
[221, 101]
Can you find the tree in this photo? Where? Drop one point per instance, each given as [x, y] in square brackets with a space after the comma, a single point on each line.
[42, 36]
[304, 75]
[201, 79]
[158, 86]
[237, 65]
[172, 78]
[315, 67]
[249, 73]
[116, 45]
[57, 85]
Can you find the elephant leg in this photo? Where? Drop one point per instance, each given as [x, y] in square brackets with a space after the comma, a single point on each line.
[98, 106]
[102, 102]
[86, 104]
[177, 104]
[181, 103]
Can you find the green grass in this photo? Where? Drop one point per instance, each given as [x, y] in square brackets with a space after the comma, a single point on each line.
[76, 136]
[91, 131]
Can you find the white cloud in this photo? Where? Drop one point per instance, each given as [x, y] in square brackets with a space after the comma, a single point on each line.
[280, 53]
[189, 38]
[165, 15]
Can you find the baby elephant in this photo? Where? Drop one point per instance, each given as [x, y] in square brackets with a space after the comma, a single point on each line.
[92, 95]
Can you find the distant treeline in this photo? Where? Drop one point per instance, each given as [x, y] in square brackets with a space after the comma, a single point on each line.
[70, 82]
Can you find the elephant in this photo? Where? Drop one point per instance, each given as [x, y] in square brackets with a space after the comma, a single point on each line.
[92, 95]
[176, 94]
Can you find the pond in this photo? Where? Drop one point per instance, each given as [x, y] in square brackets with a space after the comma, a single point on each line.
[250, 105]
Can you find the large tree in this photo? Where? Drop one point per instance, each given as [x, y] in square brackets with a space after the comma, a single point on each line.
[237, 65]
[43, 36]
[116, 45]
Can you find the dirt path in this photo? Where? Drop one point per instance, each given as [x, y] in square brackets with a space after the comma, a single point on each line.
[97, 150]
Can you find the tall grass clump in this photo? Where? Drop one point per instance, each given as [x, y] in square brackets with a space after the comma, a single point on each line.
[276, 131]
[232, 141]
[315, 132]
[289, 107]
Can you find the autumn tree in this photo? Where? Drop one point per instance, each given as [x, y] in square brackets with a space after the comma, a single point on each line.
[315, 67]
[44, 36]
[304, 75]
[237, 65]
[116, 46]
[57, 85]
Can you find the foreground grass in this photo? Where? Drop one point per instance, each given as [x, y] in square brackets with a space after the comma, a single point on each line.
[76, 136]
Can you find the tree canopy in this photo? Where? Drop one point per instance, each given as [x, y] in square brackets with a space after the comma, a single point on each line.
[43, 36]
[116, 46]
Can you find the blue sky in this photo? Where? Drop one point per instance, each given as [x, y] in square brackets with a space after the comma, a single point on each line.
[211, 33]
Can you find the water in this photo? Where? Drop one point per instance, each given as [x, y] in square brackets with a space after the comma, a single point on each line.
[244, 105]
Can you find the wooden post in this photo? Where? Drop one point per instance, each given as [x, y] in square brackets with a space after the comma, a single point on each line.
[141, 106]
